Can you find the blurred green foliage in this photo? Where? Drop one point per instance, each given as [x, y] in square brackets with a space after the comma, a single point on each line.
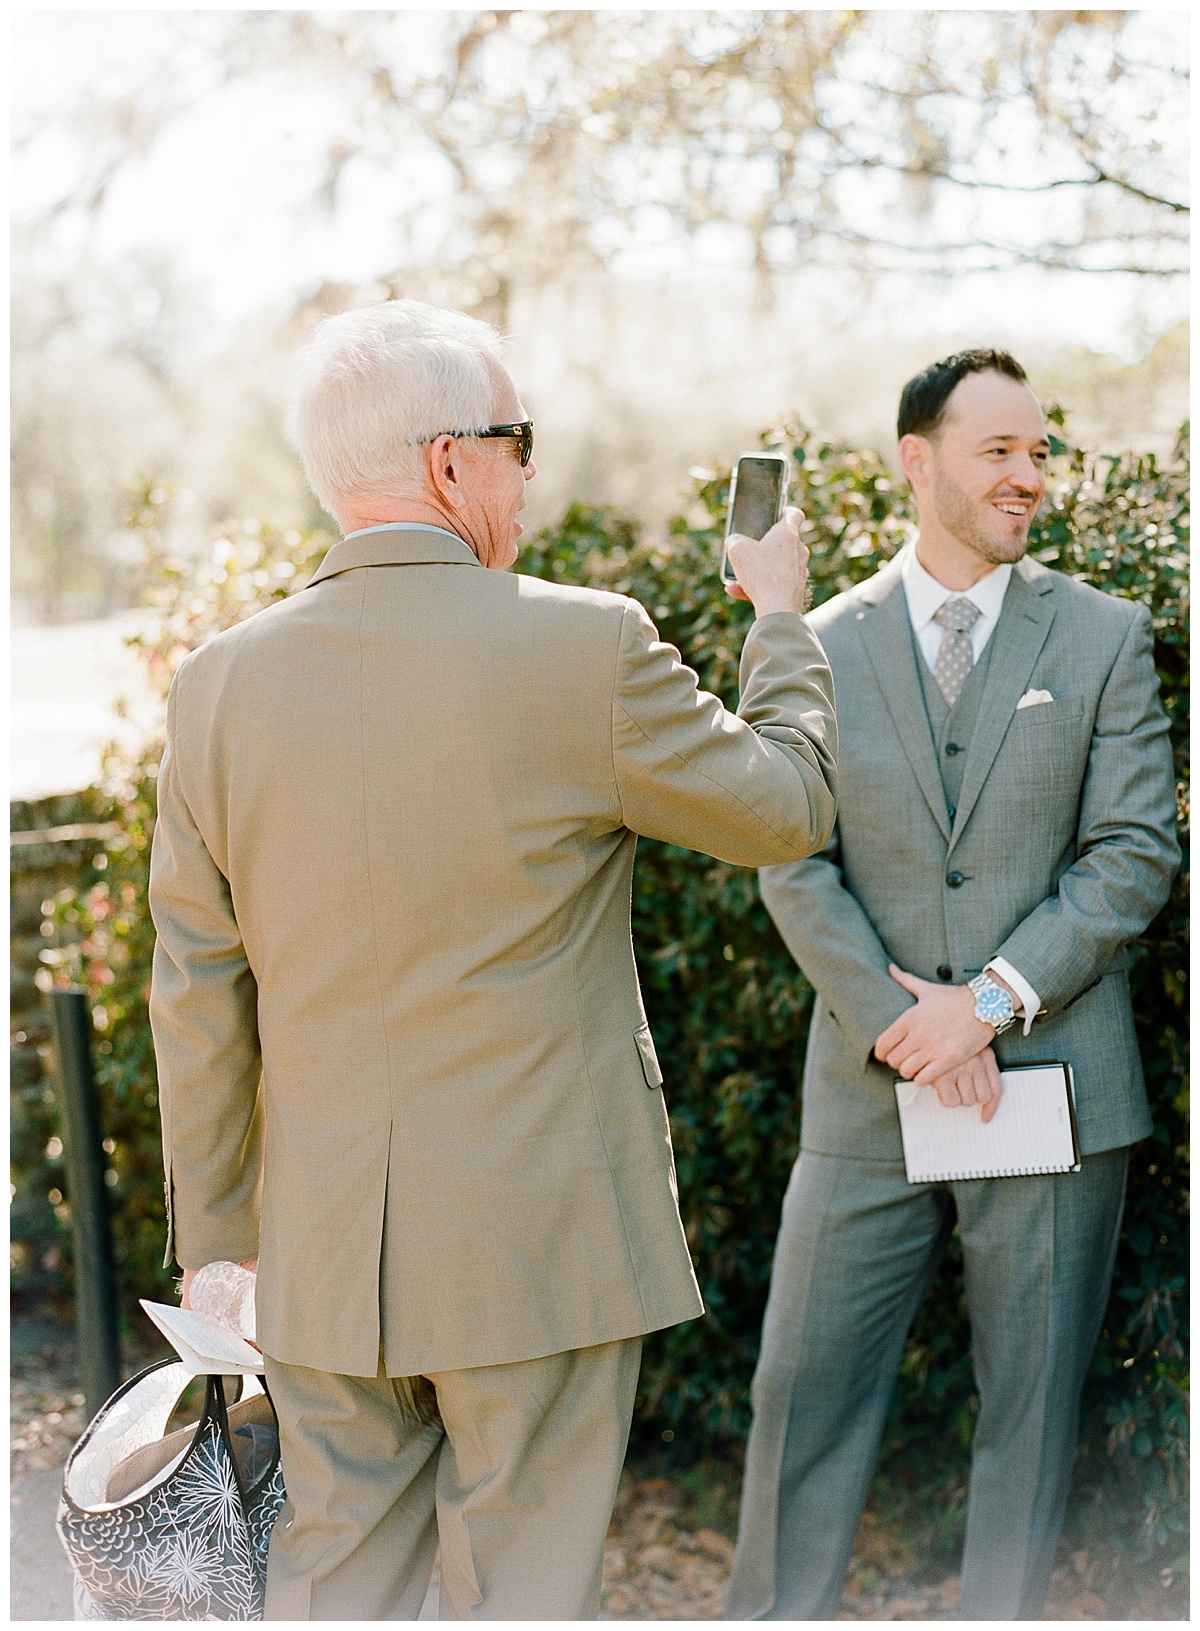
[728, 1007]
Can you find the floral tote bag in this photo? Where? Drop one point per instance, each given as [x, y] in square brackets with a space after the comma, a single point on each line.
[172, 1527]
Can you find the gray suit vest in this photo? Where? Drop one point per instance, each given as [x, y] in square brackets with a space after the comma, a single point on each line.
[953, 728]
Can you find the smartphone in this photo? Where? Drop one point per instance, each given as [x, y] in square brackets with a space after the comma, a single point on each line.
[757, 495]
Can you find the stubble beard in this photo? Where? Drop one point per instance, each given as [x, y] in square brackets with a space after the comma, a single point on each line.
[959, 515]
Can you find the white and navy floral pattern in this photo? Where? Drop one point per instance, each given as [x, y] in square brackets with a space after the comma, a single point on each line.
[185, 1547]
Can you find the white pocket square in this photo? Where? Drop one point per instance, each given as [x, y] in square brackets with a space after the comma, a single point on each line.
[1033, 699]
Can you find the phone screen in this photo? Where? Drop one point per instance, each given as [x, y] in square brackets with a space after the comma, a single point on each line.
[756, 496]
[759, 490]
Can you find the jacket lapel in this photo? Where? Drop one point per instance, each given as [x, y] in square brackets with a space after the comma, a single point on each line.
[1021, 632]
[887, 635]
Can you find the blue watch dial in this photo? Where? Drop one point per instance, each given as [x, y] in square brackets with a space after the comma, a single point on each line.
[993, 1004]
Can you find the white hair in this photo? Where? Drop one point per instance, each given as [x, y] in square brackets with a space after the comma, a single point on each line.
[373, 384]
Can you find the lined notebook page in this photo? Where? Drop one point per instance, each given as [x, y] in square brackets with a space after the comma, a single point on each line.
[1031, 1132]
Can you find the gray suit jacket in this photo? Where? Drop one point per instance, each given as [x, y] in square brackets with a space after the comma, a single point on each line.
[1063, 849]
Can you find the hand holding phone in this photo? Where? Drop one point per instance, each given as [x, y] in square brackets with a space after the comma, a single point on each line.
[757, 494]
[772, 571]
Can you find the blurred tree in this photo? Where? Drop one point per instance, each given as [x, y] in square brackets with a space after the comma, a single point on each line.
[106, 383]
[500, 153]
[94, 388]
[511, 147]
[575, 137]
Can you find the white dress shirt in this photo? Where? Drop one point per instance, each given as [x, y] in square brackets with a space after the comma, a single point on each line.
[925, 595]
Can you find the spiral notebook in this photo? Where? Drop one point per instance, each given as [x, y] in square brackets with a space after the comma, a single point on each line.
[1033, 1130]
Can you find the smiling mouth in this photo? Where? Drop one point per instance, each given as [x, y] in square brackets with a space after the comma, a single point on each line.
[1012, 506]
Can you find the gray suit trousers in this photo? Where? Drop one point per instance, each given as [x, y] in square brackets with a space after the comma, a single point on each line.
[858, 1247]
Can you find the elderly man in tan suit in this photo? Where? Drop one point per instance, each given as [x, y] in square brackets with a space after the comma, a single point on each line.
[403, 1057]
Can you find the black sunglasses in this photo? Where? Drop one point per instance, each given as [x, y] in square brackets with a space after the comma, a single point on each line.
[522, 433]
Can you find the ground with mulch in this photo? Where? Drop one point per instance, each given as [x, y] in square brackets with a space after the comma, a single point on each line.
[664, 1562]
[669, 1547]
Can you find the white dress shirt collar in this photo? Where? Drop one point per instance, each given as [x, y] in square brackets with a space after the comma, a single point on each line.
[402, 526]
[925, 594]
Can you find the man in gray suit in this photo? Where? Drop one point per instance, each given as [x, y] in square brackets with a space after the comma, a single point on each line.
[1005, 828]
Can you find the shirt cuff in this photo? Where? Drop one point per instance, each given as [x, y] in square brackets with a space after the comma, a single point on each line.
[1029, 999]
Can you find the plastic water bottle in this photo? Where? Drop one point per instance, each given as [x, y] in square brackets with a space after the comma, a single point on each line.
[225, 1293]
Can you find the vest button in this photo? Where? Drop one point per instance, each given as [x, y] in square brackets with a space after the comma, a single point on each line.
[955, 880]
[945, 972]
[952, 748]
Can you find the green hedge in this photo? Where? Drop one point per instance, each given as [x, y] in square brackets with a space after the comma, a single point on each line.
[728, 1007]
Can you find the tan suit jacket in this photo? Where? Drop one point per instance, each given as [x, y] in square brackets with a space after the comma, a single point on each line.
[402, 1051]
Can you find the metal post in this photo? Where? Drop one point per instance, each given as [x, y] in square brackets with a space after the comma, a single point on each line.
[95, 1282]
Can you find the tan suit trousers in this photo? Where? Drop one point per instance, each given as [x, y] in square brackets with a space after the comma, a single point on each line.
[516, 1487]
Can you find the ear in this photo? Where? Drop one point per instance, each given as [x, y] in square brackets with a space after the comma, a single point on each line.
[442, 469]
[916, 458]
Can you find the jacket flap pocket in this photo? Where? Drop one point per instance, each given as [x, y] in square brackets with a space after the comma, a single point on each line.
[645, 1048]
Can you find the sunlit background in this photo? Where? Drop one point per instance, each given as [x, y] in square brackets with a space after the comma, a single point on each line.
[691, 224]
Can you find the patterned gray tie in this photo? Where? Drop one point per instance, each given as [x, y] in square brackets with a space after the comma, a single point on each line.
[955, 658]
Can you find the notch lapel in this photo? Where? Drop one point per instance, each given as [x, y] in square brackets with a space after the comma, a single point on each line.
[1025, 620]
[886, 632]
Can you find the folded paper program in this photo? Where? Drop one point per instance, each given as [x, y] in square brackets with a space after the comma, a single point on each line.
[1031, 699]
[206, 1346]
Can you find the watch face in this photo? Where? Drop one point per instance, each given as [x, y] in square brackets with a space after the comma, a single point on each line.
[992, 1003]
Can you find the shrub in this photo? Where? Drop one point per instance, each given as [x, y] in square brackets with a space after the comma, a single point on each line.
[729, 1008]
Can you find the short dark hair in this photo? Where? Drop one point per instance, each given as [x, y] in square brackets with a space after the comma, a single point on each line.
[923, 400]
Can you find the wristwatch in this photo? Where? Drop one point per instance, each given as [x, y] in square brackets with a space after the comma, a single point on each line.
[993, 1004]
